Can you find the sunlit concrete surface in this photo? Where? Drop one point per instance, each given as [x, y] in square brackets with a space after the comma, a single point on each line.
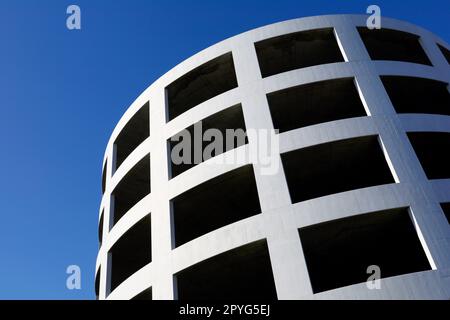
[356, 173]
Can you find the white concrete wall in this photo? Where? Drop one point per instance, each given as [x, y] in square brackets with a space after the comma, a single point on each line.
[280, 219]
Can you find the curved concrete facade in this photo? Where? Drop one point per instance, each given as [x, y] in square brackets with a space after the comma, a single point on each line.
[280, 218]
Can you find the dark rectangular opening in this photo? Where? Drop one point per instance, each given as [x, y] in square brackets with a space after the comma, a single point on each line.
[417, 95]
[432, 149]
[104, 177]
[144, 295]
[231, 118]
[131, 252]
[445, 52]
[338, 252]
[97, 283]
[335, 167]
[446, 209]
[100, 228]
[315, 103]
[133, 187]
[215, 203]
[388, 44]
[297, 50]
[133, 134]
[244, 273]
[203, 83]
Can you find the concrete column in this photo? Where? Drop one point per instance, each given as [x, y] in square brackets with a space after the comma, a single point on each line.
[286, 255]
[161, 213]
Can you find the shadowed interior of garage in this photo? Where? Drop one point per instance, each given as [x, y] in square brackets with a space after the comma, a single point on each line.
[203, 83]
[315, 103]
[132, 188]
[215, 203]
[133, 134]
[131, 252]
[417, 95]
[432, 149]
[242, 273]
[338, 252]
[394, 45]
[231, 118]
[335, 167]
[297, 50]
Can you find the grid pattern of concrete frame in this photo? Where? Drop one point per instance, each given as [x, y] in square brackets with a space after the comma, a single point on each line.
[280, 219]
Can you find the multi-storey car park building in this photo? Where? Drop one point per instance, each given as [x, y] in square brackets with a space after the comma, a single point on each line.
[364, 129]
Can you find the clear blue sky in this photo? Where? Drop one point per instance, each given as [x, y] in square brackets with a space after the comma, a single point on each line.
[62, 92]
